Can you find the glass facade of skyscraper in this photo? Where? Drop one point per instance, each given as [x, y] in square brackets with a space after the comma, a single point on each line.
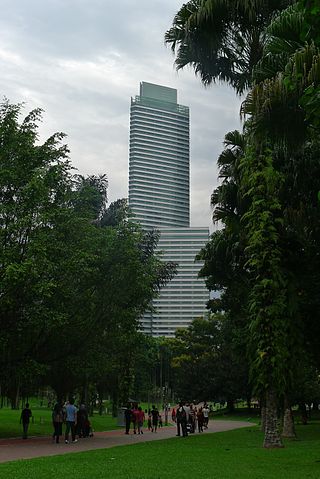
[185, 297]
[159, 198]
[159, 158]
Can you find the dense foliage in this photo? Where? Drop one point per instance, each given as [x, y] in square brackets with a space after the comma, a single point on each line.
[265, 259]
[75, 276]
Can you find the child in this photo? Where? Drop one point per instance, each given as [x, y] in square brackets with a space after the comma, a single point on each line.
[160, 420]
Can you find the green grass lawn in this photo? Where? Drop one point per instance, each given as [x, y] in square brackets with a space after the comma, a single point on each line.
[41, 423]
[234, 454]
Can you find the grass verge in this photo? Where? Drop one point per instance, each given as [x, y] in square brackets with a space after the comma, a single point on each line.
[234, 454]
[41, 423]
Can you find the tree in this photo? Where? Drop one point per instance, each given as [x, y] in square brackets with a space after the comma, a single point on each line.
[34, 186]
[76, 277]
[222, 40]
[280, 106]
[207, 363]
[282, 87]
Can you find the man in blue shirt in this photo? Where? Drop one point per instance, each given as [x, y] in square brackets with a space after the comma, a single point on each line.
[71, 421]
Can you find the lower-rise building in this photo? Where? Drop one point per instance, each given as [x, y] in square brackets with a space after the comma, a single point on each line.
[184, 298]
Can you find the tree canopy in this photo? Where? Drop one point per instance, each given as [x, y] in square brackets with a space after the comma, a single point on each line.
[76, 275]
[264, 260]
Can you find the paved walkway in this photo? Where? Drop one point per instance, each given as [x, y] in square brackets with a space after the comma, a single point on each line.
[13, 449]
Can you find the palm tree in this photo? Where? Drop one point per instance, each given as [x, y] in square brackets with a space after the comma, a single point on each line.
[222, 39]
[283, 102]
[223, 256]
[229, 41]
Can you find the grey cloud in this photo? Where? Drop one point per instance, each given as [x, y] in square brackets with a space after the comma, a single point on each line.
[82, 61]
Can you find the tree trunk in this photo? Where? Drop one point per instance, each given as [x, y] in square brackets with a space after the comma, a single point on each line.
[309, 410]
[115, 404]
[303, 412]
[15, 397]
[230, 405]
[262, 404]
[263, 418]
[288, 423]
[272, 437]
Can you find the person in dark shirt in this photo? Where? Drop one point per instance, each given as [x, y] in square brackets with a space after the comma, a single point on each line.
[155, 418]
[82, 420]
[57, 419]
[128, 417]
[26, 414]
[181, 420]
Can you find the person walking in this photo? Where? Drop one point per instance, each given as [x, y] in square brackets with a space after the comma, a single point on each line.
[128, 417]
[141, 418]
[200, 420]
[135, 418]
[149, 420]
[181, 417]
[26, 414]
[205, 411]
[155, 418]
[192, 419]
[187, 409]
[57, 420]
[71, 421]
[173, 414]
[195, 418]
[82, 420]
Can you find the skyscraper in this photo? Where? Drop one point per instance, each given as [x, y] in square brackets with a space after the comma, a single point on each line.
[159, 158]
[159, 197]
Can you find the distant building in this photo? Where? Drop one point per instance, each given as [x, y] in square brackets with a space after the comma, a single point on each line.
[159, 197]
[159, 158]
[185, 297]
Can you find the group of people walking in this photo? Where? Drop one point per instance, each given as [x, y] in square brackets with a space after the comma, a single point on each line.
[135, 415]
[189, 417]
[76, 421]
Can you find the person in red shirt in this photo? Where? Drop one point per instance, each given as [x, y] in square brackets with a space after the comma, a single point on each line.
[135, 418]
[173, 415]
[141, 418]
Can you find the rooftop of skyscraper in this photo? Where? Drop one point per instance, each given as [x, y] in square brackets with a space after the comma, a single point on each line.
[160, 97]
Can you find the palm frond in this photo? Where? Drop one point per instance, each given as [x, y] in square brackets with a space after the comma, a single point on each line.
[222, 40]
[274, 104]
[288, 24]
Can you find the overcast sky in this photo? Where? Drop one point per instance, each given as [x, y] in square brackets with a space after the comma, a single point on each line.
[82, 60]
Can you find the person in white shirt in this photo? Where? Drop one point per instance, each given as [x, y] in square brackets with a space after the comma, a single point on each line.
[205, 411]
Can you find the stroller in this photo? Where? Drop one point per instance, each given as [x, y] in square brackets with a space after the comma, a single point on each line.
[190, 426]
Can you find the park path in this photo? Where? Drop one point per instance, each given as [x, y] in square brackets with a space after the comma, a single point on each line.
[16, 448]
